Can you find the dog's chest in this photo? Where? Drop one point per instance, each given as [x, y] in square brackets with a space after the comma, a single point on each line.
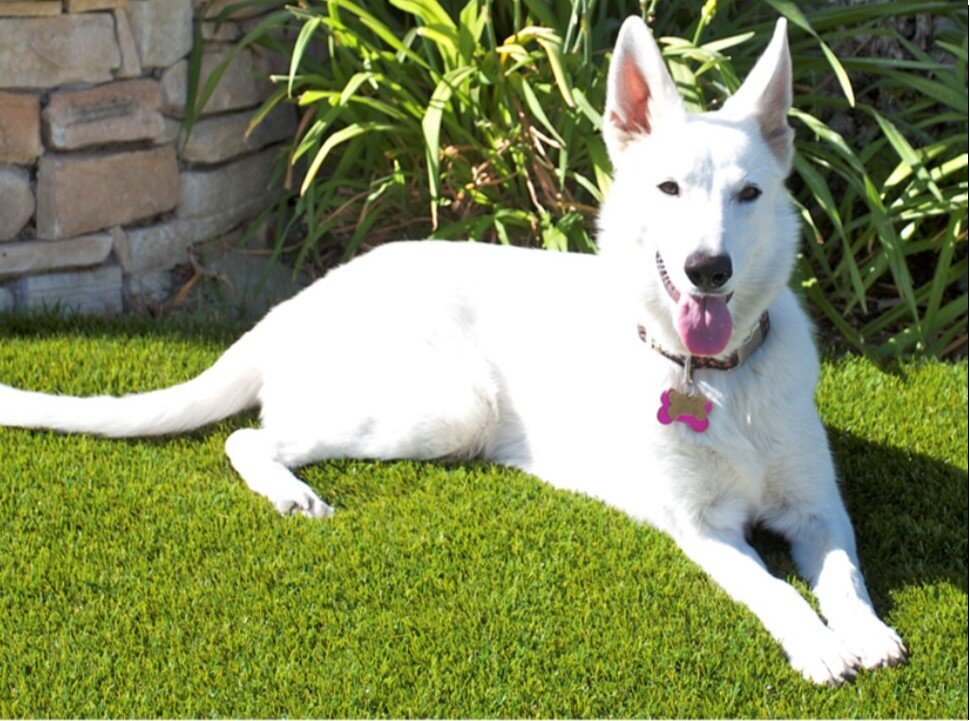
[730, 465]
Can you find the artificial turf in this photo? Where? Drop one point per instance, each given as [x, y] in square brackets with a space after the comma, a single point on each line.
[142, 579]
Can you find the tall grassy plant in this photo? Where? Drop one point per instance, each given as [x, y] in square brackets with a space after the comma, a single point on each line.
[480, 119]
[432, 122]
[886, 257]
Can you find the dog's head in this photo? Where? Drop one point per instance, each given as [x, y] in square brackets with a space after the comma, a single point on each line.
[698, 208]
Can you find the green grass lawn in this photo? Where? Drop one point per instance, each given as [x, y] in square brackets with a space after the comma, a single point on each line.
[142, 579]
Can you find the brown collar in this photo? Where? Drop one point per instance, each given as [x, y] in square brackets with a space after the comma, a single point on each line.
[690, 363]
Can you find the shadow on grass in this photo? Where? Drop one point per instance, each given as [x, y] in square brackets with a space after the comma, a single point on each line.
[180, 326]
[909, 512]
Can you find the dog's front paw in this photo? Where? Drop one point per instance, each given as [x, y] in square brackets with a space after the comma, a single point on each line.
[875, 643]
[821, 657]
[298, 497]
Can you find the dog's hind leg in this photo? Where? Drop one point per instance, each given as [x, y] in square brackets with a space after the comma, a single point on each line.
[419, 406]
[255, 455]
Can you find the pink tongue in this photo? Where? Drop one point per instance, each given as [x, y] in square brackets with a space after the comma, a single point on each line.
[704, 324]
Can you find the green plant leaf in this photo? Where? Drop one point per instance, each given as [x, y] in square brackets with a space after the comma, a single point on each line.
[340, 136]
[299, 47]
[431, 127]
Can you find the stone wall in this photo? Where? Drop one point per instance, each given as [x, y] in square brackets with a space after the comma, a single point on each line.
[100, 198]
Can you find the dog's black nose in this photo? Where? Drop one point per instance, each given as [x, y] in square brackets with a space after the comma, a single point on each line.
[708, 272]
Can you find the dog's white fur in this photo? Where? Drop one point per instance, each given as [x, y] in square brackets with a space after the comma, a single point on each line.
[532, 359]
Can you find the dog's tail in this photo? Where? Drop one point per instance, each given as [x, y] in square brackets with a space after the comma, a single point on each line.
[229, 386]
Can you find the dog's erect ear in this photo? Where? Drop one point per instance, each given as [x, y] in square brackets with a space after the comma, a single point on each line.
[639, 90]
[766, 94]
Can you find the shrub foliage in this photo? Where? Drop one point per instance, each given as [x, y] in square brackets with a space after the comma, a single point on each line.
[480, 119]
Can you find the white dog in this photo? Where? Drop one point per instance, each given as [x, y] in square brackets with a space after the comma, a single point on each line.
[671, 376]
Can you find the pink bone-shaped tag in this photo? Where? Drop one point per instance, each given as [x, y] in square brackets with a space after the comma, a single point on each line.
[691, 410]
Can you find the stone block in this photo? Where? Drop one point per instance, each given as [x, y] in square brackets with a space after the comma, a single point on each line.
[77, 194]
[152, 288]
[130, 62]
[7, 300]
[171, 132]
[235, 188]
[225, 32]
[29, 8]
[163, 246]
[48, 52]
[115, 112]
[156, 247]
[97, 291]
[19, 128]
[162, 29]
[219, 138]
[16, 201]
[213, 9]
[243, 84]
[83, 6]
[38, 256]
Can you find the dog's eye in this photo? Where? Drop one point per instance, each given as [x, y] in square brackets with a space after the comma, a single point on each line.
[749, 193]
[669, 187]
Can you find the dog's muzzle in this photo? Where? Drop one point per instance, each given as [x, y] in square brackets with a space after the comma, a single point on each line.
[702, 320]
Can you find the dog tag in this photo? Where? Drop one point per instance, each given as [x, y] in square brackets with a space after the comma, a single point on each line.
[691, 409]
